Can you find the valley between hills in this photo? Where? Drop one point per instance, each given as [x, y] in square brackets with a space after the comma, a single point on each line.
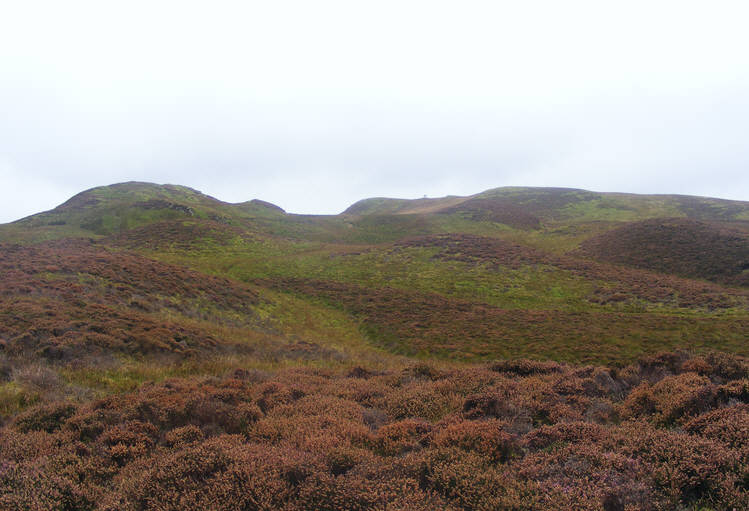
[521, 348]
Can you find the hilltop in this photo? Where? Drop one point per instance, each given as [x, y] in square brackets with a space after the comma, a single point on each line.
[109, 209]
[161, 348]
[517, 271]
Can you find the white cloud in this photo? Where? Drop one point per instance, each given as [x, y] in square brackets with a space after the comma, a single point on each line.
[352, 99]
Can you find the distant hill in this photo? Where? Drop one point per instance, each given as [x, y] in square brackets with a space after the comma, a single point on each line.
[546, 214]
[520, 269]
[679, 246]
[521, 348]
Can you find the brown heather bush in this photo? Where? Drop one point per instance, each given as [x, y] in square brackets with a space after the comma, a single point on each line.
[222, 473]
[575, 432]
[736, 390]
[324, 439]
[402, 436]
[419, 399]
[486, 437]
[726, 367]
[128, 441]
[471, 482]
[48, 417]
[17, 446]
[729, 426]
[581, 475]
[672, 398]
[370, 485]
[34, 486]
[686, 469]
[180, 437]
[274, 394]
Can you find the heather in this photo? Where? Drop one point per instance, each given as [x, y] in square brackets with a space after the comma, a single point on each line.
[677, 246]
[667, 432]
[517, 349]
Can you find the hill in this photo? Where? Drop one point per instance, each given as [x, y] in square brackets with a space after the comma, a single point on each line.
[162, 349]
[514, 271]
[677, 246]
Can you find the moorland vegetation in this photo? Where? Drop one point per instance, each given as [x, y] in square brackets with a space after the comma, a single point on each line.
[523, 348]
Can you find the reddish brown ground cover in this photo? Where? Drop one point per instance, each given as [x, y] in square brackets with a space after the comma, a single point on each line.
[66, 298]
[176, 234]
[679, 246]
[616, 283]
[669, 432]
[502, 211]
[416, 323]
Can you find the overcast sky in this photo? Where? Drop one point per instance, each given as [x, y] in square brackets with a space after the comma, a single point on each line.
[313, 105]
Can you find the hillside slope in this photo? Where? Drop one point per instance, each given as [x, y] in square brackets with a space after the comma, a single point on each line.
[521, 348]
[548, 251]
[677, 246]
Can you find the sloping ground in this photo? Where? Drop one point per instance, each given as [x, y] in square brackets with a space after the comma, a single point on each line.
[520, 208]
[541, 213]
[377, 206]
[267, 205]
[614, 283]
[65, 298]
[108, 210]
[501, 211]
[561, 206]
[177, 234]
[666, 433]
[677, 246]
[542, 202]
[88, 421]
[133, 192]
[69, 329]
[703, 208]
[429, 324]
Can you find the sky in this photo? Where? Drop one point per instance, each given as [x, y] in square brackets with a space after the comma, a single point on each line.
[315, 105]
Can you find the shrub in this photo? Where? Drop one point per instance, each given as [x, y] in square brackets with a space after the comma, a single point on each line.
[573, 432]
[180, 437]
[36, 487]
[729, 425]
[402, 436]
[324, 441]
[686, 469]
[128, 441]
[468, 481]
[49, 417]
[672, 398]
[422, 400]
[583, 475]
[219, 474]
[736, 390]
[727, 366]
[273, 394]
[485, 437]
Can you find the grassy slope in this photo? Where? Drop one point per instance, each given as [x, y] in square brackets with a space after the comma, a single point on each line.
[169, 283]
[368, 247]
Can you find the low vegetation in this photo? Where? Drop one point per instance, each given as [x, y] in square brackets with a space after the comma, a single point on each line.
[518, 349]
[677, 246]
[668, 432]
